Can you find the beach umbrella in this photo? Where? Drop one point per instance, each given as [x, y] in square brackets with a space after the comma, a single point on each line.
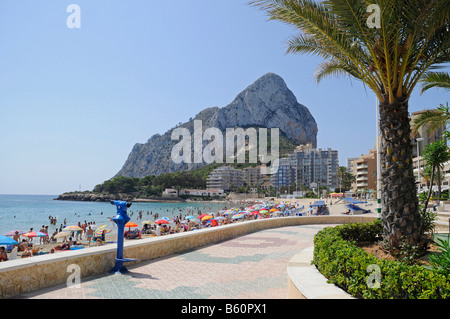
[207, 217]
[147, 222]
[131, 224]
[263, 211]
[202, 215]
[213, 222]
[13, 232]
[99, 232]
[237, 216]
[62, 234]
[5, 240]
[35, 234]
[101, 227]
[161, 221]
[189, 217]
[72, 228]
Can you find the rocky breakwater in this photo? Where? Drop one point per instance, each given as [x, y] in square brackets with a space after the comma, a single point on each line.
[93, 197]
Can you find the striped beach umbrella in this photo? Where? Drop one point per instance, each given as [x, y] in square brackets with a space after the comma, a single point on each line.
[101, 231]
[13, 232]
[35, 234]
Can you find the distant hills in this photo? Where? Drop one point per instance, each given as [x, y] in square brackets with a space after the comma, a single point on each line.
[267, 103]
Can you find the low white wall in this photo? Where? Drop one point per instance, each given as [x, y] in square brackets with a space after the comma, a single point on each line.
[29, 274]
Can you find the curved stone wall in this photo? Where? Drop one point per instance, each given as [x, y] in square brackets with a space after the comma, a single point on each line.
[29, 274]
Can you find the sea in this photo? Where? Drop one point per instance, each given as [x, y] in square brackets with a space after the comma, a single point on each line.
[22, 212]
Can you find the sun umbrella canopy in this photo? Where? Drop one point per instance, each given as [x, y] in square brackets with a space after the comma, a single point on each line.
[189, 217]
[213, 222]
[5, 240]
[35, 234]
[147, 222]
[161, 221]
[207, 217]
[13, 232]
[99, 228]
[62, 234]
[98, 232]
[72, 228]
[131, 224]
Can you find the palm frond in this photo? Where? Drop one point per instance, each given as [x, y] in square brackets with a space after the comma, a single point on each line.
[435, 79]
[432, 120]
[411, 41]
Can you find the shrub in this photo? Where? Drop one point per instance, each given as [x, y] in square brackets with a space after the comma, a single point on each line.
[441, 261]
[338, 258]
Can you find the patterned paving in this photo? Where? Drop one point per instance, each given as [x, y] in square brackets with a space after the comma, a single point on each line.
[252, 266]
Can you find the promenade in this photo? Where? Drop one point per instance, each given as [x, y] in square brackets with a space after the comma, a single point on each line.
[250, 266]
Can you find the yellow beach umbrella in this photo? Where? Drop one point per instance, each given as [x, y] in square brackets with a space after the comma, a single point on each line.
[72, 228]
[62, 234]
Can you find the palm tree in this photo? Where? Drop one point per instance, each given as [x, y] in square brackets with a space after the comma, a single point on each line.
[410, 40]
[435, 155]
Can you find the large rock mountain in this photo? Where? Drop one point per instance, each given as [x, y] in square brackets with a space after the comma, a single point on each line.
[266, 103]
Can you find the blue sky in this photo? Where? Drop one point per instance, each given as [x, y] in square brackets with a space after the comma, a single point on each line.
[73, 102]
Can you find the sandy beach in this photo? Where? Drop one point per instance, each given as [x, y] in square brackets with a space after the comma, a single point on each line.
[335, 207]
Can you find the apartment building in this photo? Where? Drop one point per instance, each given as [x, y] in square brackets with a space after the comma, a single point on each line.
[364, 169]
[308, 165]
[226, 178]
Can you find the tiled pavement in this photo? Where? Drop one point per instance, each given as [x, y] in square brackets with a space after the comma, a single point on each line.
[253, 266]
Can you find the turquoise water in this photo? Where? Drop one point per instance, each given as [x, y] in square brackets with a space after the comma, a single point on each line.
[21, 212]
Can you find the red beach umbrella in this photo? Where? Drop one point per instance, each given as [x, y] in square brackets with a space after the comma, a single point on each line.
[161, 221]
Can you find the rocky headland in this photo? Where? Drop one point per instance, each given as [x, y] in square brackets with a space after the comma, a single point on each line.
[267, 103]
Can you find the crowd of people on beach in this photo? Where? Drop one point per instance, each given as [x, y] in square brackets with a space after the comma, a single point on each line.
[88, 233]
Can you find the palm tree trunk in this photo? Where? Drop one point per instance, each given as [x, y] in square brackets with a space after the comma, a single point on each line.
[400, 213]
[439, 182]
[425, 206]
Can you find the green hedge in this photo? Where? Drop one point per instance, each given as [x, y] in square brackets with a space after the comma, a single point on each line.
[346, 265]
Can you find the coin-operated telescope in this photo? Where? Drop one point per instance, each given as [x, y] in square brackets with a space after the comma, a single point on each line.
[121, 219]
